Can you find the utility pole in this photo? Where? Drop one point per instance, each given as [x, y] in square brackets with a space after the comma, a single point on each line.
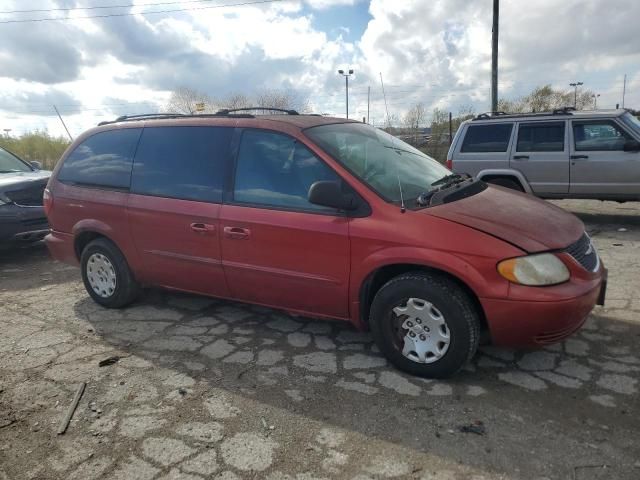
[595, 100]
[575, 85]
[624, 89]
[63, 124]
[368, 101]
[494, 56]
[384, 95]
[346, 82]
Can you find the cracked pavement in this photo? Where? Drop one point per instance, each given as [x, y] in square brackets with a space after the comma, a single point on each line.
[213, 389]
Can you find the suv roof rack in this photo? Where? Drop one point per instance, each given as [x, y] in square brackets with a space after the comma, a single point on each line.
[557, 111]
[225, 112]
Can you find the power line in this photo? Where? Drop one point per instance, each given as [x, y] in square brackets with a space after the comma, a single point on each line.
[100, 7]
[129, 14]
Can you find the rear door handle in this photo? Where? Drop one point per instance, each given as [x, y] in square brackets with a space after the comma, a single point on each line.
[576, 157]
[237, 233]
[521, 157]
[203, 227]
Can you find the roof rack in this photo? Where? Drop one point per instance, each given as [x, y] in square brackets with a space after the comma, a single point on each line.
[227, 111]
[557, 111]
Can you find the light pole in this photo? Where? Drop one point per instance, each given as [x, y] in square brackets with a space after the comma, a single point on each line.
[346, 80]
[6, 131]
[575, 93]
[595, 100]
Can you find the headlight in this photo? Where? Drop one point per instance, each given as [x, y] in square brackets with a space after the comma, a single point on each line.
[534, 270]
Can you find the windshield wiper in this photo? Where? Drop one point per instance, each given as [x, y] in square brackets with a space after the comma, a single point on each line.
[10, 171]
[450, 179]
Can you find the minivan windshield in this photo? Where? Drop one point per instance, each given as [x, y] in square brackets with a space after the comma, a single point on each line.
[9, 163]
[380, 160]
[632, 122]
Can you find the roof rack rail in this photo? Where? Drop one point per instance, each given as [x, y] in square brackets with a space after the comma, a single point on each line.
[557, 111]
[564, 111]
[489, 115]
[142, 116]
[227, 111]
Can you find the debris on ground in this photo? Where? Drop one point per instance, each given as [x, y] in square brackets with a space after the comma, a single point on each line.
[182, 391]
[476, 427]
[72, 408]
[108, 361]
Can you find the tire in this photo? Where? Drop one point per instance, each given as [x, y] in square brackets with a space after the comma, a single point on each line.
[507, 183]
[436, 294]
[117, 294]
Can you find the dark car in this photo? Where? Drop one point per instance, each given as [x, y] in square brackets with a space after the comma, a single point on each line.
[22, 217]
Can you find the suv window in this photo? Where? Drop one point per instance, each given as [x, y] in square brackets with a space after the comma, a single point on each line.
[541, 137]
[277, 170]
[487, 138]
[187, 163]
[599, 136]
[102, 160]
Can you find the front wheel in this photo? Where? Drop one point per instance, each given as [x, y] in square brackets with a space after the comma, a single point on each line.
[425, 324]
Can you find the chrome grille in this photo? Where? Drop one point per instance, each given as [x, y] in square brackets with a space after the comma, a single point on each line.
[584, 251]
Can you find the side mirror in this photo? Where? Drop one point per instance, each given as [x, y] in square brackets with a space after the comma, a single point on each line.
[329, 194]
[35, 164]
[632, 146]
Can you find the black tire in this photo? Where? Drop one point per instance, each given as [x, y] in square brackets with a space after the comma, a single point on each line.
[507, 183]
[126, 288]
[458, 310]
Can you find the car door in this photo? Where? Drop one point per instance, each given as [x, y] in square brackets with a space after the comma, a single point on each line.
[277, 248]
[599, 163]
[176, 195]
[541, 155]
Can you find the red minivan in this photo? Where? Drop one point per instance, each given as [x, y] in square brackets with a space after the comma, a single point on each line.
[324, 217]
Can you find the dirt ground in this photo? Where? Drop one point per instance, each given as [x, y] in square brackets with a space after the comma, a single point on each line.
[212, 389]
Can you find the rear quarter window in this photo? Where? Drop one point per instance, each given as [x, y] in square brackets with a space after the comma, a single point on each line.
[487, 138]
[102, 160]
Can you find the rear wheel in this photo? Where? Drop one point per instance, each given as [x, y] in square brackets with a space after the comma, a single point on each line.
[106, 275]
[507, 183]
[425, 324]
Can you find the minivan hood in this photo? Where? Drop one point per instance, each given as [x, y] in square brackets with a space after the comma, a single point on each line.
[523, 220]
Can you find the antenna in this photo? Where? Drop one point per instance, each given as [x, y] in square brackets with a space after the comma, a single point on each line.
[385, 102]
[402, 207]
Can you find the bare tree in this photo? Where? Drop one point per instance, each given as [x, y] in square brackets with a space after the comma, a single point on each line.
[234, 100]
[185, 100]
[285, 99]
[546, 98]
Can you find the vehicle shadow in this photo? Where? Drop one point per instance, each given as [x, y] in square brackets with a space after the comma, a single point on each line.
[329, 372]
[29, 266]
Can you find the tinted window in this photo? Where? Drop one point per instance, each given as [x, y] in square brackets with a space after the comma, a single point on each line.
[182, 162]
[598, 136]
[103, 159]
[541, 137]
[276, 170]
[487, 138]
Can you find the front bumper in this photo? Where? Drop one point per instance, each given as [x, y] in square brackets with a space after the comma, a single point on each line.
[534, 317]
[22, 224]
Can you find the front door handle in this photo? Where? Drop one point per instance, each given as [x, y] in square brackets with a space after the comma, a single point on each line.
[203, 227]
[237, 233]
[521, 157]
[576, 157]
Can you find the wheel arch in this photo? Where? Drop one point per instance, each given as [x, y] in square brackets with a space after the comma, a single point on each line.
[382, 274]
[511, 174]
[86, 231]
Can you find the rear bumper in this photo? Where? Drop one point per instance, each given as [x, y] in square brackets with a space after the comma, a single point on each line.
[22, 224]
[61, 247]
[530, 324]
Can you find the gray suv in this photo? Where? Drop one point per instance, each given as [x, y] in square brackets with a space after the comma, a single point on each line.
[560, 154]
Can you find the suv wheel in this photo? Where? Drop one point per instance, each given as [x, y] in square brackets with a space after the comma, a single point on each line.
[507, 183]
[425, 324]
[106, 275]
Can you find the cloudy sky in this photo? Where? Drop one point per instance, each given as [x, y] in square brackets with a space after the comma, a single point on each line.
[432, 51]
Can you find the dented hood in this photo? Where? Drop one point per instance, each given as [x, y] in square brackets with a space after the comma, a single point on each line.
[523, 220]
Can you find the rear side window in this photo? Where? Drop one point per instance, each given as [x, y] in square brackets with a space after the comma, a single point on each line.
[102, 160]
[487, 138]
[599, 136]
[541, 137]
[277, 170]
[187, 163]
